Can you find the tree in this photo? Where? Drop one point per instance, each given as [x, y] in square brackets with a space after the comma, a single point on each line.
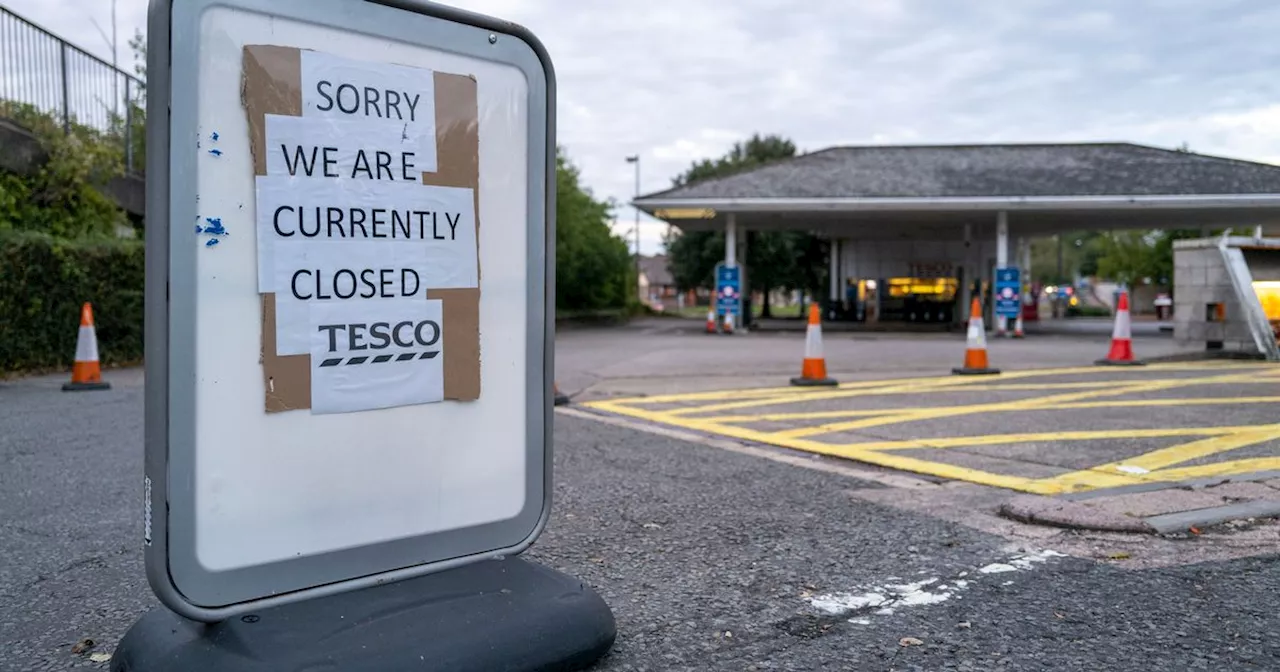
[1127, 256]
[1080, 251]
[755, 152]
[1133, 256]
[775, 259]
[593, 266]
[692, 256]
[138, 43]
[136, 119]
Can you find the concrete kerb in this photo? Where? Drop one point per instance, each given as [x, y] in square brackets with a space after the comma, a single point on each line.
[1183, 520]
[1073, 511]
[1040, 510]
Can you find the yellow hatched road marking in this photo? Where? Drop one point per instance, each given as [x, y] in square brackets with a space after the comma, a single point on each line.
[871, 453]
[1115, 403]
[1168, 457]
[929, 388]
[783, 392]
[853, 452]
[1156, 462]
[1219, 439]
[1035, 437]
[953, 411]
[1247, 465]
[776, 396]
[1018, 405]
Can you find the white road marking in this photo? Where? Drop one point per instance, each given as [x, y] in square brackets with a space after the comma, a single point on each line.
[885, 600]
[1023, 562]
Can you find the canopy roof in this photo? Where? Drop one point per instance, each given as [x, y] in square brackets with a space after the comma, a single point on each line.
[1041, 186]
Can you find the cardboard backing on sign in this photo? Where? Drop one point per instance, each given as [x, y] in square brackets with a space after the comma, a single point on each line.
[272, 84]
[458, 147]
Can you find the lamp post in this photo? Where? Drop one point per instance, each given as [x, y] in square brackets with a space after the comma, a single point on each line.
[635, 158]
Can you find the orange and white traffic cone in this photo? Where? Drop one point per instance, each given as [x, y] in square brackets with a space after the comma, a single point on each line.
[1121, 353]
[1017, 326]
[86, 372]
[728, 323]
[813, 372]
[562, 399]
[711, 321]
[975, 353]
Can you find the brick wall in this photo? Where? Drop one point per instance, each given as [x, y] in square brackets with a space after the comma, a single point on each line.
[1201, 278]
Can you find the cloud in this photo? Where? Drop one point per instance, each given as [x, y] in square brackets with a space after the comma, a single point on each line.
[679, 80]
[651, 233]
[73, 21]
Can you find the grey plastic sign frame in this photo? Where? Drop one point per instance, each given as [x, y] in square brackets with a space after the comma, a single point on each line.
[176, 576]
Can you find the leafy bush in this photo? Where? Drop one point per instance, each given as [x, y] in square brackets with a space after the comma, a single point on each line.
[43, 282]
[63, 197]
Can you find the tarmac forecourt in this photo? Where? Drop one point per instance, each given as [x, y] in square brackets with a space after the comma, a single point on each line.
[1043, 431]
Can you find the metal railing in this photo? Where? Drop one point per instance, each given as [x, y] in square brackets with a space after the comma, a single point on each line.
[40, 69]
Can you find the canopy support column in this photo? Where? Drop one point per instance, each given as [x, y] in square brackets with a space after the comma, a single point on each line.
[1002, 260]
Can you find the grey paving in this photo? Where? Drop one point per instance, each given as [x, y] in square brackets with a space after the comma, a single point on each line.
[706, 557]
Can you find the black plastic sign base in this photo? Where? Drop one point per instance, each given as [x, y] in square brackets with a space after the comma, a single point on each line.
[85, 387]
[506, 615]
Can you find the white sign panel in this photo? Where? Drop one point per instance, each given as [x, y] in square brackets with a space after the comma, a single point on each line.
[350, 374]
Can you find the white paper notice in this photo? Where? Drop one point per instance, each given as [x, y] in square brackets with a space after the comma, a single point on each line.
[350, 240]
[344, 149]
[309, 273]
[376, 354]
[335, 87]
[438, 222]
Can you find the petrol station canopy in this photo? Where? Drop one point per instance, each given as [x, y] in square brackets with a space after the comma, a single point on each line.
[934, 190]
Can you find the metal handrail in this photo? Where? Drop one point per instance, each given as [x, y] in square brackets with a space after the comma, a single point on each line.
[40, 69]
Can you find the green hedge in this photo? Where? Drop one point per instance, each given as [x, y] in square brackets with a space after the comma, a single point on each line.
[43, 283]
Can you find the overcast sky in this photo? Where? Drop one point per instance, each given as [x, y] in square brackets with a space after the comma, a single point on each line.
[679, 80]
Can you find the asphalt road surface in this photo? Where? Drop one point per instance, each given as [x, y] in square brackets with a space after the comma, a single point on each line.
[711, 560]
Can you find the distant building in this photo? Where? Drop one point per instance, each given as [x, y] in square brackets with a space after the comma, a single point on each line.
[656, 281]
